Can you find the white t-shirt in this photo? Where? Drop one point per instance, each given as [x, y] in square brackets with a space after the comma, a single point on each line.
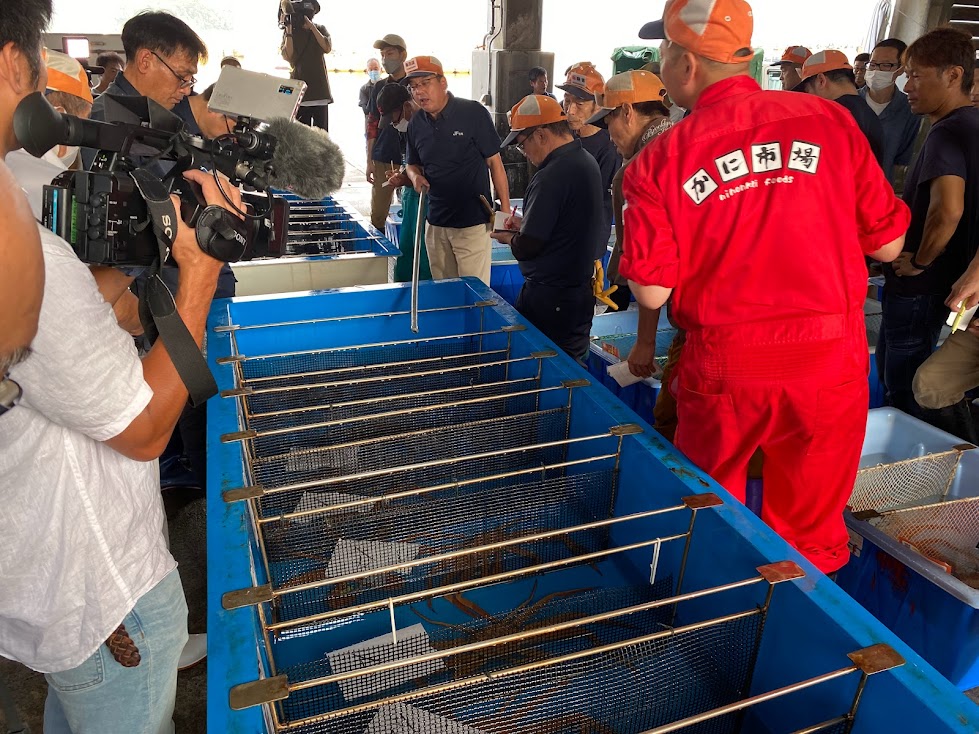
[81, 526]
[32, 174]
[877, 107]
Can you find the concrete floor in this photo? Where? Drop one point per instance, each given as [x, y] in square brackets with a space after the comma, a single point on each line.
[186, 518]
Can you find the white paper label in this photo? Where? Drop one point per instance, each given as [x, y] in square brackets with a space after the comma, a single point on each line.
[318, 500]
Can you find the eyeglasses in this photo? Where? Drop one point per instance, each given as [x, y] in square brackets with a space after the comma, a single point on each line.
[184, 83]
[415, 86]
[886, 66]
[520, 142]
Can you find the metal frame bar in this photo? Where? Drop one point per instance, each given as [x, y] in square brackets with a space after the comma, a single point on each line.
[252, 434]
[351, 317]
[462, 552]
[868, 661]
[275, 689]
[459, 586]
[377, 378]
[421, 491]
[354, 347]
[448, 461]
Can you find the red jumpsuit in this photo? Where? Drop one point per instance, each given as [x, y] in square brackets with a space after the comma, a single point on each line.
[758, 210]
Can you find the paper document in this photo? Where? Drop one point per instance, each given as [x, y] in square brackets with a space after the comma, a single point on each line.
[359, 556]
[499, 224]
[621, 374]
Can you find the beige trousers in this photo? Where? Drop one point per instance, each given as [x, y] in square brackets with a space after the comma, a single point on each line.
[455, 253]
[381, 196]
[948, 373]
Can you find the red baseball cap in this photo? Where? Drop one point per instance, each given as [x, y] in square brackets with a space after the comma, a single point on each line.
[719, 30]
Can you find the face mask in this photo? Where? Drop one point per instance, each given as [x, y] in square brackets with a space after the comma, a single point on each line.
[677, 113]
[901, 81]
[391, 65]
[96, 80]
[878, 80]
[401, 126]
[61, 161]
[374, 75]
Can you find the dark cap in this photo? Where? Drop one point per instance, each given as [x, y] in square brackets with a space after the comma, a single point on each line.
[390, 98]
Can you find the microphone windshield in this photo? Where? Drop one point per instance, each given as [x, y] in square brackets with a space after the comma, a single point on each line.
[306, 162]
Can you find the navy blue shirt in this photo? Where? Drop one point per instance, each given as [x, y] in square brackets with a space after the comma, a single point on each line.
[389, 146]
[602, 148]
[453, 149]
[900, 132]
[951, 149]
[563, 208]
[867, 121]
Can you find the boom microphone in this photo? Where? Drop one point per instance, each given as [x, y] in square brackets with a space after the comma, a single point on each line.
[306, 161]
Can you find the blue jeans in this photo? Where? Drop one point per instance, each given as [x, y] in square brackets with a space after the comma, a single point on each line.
[100, 696]
[909, 333]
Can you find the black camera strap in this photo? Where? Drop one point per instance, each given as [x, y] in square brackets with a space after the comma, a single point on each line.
[157, 310]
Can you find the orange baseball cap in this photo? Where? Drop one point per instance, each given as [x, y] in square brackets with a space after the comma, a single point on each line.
[66, 75]
[794, 55]
[632, 87]
[584, 81]
[719, 30]
[531, 111]
[823, 61]
[423, 66]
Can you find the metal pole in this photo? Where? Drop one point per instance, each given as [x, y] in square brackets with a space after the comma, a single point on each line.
[416, 263]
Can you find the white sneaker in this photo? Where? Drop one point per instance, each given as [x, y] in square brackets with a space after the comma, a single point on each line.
[194, 651]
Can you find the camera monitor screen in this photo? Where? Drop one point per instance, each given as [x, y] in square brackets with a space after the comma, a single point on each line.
[243, 93]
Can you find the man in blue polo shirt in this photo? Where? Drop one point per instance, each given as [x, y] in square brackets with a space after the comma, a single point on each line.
[563, 216]
[450, 148]
[890, 104]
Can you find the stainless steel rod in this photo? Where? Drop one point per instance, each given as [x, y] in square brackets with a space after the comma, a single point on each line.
[380, 365]
[521, 636]
[351, 347]
[329, 319]
[521, 540]
[388, 399]
[474, 583]
[416, 263]
[342, 506]
[528, 668]
[433, 464]
[384, 378]
[752, 701]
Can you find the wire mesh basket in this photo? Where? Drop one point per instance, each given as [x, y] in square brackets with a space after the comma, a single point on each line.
[913, 481]
[946, 533]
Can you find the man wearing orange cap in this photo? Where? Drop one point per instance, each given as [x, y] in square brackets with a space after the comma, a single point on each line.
[450, 148]
[562, 218]
[635, 112]
[828, 74]
[790, 66]
[719, 212]
[583, 83]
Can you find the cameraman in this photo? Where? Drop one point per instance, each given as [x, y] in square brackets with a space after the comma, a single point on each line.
[304, 46]
[162, 54]
[91, 595]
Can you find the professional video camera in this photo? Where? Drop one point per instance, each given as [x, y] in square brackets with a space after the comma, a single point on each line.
[292, 12]
[113, 213]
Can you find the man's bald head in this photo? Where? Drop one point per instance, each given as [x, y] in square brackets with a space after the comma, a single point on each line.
[686, 75]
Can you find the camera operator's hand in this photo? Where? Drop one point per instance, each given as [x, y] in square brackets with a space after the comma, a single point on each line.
[188, 254]
[308, 24]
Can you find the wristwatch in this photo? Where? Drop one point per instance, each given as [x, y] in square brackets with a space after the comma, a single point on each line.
[9, 394]
[918, 266]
